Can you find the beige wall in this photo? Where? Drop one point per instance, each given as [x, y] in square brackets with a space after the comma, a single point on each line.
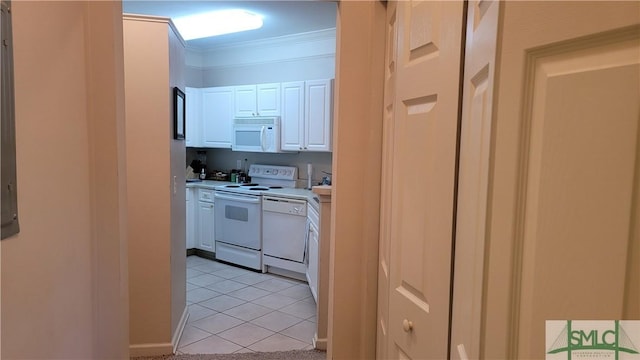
[178, 200]
[157, 279]
[69, 251]
[357, 150]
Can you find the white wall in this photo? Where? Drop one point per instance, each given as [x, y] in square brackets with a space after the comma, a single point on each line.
[63, 290]
[280, 71]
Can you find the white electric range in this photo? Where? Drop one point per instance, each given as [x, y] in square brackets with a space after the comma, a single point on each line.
[250, 223]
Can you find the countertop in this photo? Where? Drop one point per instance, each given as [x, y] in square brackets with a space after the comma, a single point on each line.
[291, 193]
[207, 184]
[322, 190]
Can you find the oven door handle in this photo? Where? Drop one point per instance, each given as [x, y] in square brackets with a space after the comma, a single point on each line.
[250, 200]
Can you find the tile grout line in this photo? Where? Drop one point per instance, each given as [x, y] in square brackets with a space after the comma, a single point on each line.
[267, 277]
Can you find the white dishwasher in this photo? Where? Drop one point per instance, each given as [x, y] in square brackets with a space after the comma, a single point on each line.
[284, 229]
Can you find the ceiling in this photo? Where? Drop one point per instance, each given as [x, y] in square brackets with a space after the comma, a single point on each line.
[280, 17]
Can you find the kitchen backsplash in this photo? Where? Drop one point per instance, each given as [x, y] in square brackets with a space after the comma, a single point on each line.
[225, 160]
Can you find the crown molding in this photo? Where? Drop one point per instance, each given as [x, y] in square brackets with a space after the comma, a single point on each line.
[297, 47]
[158, 19]
[257, 63]
[275, 41]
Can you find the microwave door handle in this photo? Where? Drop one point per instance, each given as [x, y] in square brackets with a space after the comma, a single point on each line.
[262, 138]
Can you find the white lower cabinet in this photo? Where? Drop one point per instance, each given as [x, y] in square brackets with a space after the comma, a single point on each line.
[191, 220]
[205, 226]
[313, 238]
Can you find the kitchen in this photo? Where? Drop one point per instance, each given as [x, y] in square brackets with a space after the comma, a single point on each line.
[296, 64]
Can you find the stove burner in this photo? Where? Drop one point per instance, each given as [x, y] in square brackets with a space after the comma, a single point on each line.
[259, 188]
[275, 187]
[249, 184]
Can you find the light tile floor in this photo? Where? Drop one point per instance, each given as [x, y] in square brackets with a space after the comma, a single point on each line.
[232, 309]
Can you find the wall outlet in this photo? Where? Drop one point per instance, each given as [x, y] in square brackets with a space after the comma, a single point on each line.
[238, 164]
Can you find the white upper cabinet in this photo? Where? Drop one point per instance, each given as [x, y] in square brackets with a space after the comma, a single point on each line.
[306, 115]
[292, 121]
[193, 116]
[305, 108]
[257, 100]
[217, 117]
[318, 114]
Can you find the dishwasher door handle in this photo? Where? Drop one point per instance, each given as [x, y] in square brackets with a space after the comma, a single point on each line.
[250, 200]
[286, 200]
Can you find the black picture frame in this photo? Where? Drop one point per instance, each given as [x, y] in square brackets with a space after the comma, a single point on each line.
[179, 114]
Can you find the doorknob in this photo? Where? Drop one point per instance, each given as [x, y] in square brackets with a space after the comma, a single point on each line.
[407, 325]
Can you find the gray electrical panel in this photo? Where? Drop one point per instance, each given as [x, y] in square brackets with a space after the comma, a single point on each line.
[8, 192]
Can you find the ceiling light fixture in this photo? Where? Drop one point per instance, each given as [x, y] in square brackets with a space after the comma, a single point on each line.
[216, 23]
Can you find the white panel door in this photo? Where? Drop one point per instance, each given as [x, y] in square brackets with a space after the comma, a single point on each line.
[475, 142]
[217, 117]
[292, 119]
[386, 182]
[424, 155]
[563, 230]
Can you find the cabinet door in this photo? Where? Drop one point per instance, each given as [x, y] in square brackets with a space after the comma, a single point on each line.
[191, 221]
[312, 269]
[193, 116]
[268, 99]
[217, 117]
[205, 226]
[245, 100]
[318, 108]
[292, 120]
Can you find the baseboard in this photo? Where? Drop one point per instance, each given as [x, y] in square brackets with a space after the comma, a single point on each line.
[181, 325]
[286, 273]
[205, 254]
[161, 348]
[150, 349]
[191, 252]
[319, 344]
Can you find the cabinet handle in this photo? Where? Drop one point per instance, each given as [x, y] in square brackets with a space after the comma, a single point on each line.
[407, 325]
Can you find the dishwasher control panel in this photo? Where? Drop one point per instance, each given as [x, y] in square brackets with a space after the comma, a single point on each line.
[284, 206]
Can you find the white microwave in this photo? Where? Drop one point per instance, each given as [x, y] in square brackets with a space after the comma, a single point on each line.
[256, 134]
